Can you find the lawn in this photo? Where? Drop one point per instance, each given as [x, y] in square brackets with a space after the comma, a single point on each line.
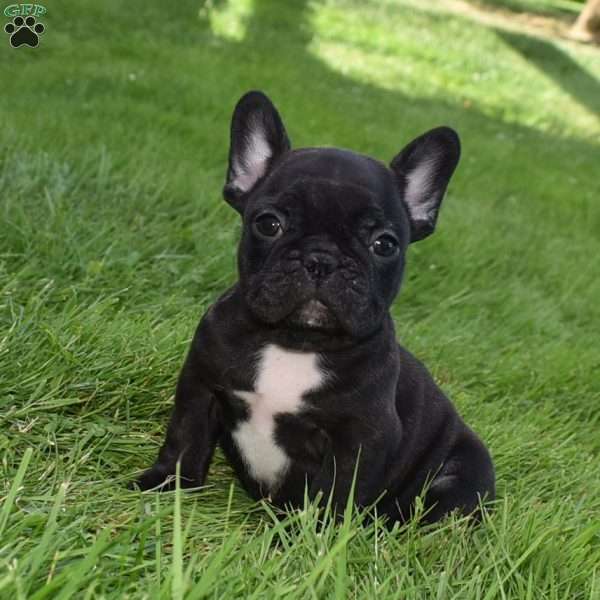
[114, 239]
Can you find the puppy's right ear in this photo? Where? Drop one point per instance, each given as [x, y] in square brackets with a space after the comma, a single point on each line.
[258, 140]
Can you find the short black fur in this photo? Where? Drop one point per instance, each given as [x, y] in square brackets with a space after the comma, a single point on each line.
[327, 228]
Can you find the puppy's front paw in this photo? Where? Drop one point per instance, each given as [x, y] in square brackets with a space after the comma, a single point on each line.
[161, 478]
[155, 478]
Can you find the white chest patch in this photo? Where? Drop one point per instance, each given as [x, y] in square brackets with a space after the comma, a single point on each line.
[282, 378]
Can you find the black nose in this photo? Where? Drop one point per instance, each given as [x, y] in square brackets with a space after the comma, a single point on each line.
[319, 264]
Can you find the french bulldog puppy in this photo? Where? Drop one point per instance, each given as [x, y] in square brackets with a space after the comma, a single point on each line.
[295, 371]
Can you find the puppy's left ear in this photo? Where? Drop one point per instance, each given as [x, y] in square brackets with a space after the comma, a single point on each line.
[258, 140]
[423, 170]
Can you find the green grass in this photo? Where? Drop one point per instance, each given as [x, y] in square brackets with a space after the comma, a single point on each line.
[114, 240]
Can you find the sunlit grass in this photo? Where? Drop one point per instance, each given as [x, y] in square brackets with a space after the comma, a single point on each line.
[454, 58]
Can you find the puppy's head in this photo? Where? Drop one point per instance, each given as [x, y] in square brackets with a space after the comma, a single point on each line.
[325, 230]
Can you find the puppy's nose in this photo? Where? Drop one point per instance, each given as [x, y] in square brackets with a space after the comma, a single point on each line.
[319, 264]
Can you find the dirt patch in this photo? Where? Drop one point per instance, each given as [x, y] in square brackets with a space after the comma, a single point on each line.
[554, 26]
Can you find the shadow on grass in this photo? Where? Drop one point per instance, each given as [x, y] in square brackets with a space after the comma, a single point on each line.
[553, 62]
[489, 143]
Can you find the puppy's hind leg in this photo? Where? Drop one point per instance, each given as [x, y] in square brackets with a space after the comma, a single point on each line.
[465, 480]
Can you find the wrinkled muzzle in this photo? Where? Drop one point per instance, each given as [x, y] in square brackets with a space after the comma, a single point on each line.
[314, 289]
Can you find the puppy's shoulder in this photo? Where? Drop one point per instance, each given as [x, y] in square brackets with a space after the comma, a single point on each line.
[415, 380]
[222, 315]
[224, 334]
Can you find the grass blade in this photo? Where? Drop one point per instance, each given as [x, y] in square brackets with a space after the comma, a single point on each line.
[14, 488]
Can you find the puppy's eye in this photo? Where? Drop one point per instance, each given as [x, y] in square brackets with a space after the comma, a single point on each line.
[267, 225]
[385, 245]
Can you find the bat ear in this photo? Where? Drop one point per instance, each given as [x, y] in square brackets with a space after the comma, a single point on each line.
[258, 140]
[423, 170]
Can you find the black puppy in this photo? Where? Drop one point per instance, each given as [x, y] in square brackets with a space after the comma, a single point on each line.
[295, 371]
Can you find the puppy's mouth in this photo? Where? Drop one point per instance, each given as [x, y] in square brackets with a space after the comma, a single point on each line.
[313, 315]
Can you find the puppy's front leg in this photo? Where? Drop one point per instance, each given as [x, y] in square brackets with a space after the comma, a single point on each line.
[192, 435]
[363, 456]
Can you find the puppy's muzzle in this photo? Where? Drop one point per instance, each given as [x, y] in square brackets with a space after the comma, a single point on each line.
[319, 264]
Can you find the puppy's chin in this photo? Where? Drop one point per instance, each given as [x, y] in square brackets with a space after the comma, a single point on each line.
[315, 316]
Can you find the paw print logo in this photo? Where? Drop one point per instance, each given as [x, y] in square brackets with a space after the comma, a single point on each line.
[24, 31]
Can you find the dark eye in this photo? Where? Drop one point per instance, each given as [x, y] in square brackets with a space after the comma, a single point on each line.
[385, 245]
[267, 225]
